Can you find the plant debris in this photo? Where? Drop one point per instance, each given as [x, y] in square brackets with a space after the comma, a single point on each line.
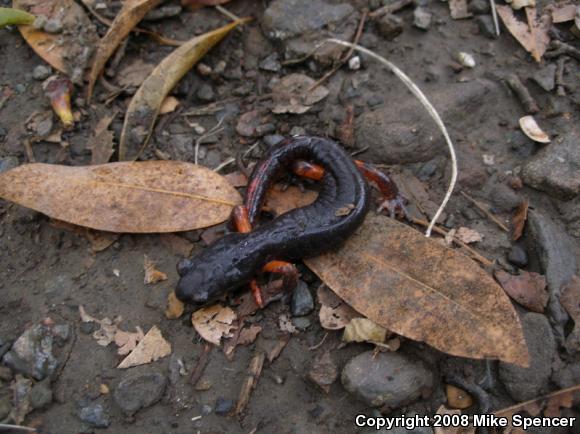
[214, 322]
[152, 275]
[293, 94]
[527, 288]
[151, 348]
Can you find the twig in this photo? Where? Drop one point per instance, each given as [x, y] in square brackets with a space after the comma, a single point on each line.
[216, 129]
[254, 371]
[559, 48]
[494, 16]
[345, 58]
[201, 364]
[484, 210]
[432, 112]
[482, 259]
[29, 152]
[7, 426]
[233, 160]
[523, 94]
[560, 90]
[227, 13]
[390, 8]
[319, 344]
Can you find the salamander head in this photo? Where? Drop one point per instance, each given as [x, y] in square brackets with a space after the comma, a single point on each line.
[207, 276]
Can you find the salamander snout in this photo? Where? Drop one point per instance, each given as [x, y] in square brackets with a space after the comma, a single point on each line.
[190, 287]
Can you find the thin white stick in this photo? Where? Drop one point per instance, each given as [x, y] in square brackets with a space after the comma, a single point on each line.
[429, 107]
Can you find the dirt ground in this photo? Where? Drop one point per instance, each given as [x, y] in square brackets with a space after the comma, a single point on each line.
[47, 271]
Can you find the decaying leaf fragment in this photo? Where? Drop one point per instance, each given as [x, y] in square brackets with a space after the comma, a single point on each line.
[152, 274]
[175, 307]
[69, 47]
[334, 313]
[293, 94]
[468, 236]
[14, 17]
[364, 330]
[138, 197]
[130, 14]
[151, 348]
[527, 288]
[146, 103]
[127, 341]
[101, 141]
[519, 220]
[417, 288]
[533, 36]
[213, 322]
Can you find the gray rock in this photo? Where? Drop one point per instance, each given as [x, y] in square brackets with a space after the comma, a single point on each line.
[53, 25]
[41, 73]
[518, 256]
[32, 353]
[504, 198]
[139, 391]
[555, 252]
[427, 170]
[389, 379]
[409, 135]
[375, 100]
[205, 93]
[302, 302]
[527, 383]
[390, 26]
[307, 16]
[297, 131]
[570, 212]
[8, 163]
[567, 376]
[272, 139]
[555, 168]
[301, 323]
[96, 415]
[486, 26]
[479, 7]
[5, 403]
[223, 406]
[546, 77]
[6, 374]
[41, 394]
[422, 18]
[271, 63]
[206, 409]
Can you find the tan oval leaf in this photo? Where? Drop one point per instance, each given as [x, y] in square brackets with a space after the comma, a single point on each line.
[64, 51]
[417, 288]
[138, 197]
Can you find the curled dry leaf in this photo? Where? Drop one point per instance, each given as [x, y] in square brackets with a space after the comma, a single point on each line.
[143, 197]
[468, 236]
[151, 348]
[14, 17]
[533, 36]
[68, 51]
[334, 313]
[213, 322]
[152, 274]
[175, 306]
[531, 129]
[127, 341]
[146, 103]
[458, 398]
[101, 141]
[130, 14]
[364, 330]
[418, 288]
[519, 220]
[527, 288]
[293, 94]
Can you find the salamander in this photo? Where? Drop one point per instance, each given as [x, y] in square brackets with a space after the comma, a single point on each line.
[233, 261]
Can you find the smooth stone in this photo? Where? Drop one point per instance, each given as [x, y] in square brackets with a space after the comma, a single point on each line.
[223, 406]
[390, 26]
[205, 93]
[41, 394]
[41, 72]
[139, 391]
[422, 18]
[546, 77]
[271, 63]
[386, 379]
[95, 415]
[527, 383]
[518, 256]
[504, 198]
[302, 303]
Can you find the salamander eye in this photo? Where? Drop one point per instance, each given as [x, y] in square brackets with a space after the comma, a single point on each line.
[183, 266]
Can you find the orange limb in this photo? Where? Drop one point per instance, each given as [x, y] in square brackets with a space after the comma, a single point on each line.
[308, 170]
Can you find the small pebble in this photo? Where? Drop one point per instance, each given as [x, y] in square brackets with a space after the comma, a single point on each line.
[390, 26]
[41, 73]
[206, 409]
[95, 415]
[271, 63]
[354, 63]
[272, 139]
[422, 18]
[301, 323]
[204, 69]
[518, 256]
[205, 93]
[302, 303]
[375, 100]
[53, 26]
[223, 406]
[297, 131]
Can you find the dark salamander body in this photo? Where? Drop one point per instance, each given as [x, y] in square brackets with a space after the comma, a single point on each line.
[324, 225]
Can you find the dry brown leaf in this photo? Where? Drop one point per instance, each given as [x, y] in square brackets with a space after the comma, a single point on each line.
[213, 322]
[135, 73]
[527, 288]
[101, 141]
[519, 220]
[175, 307]
[562, 13]
[152, 275]
[293, 94]
[418, 288]
[364, 330]
[458, 398]
[533, 36]
[468, 235]
[127, 341]
[145, 105]
[108, 328]
[169, 105]
[151, 348]
[64, 51]
[283, 201]
[459, 9]
[128, 17]
[143, 197]
[334, 313]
